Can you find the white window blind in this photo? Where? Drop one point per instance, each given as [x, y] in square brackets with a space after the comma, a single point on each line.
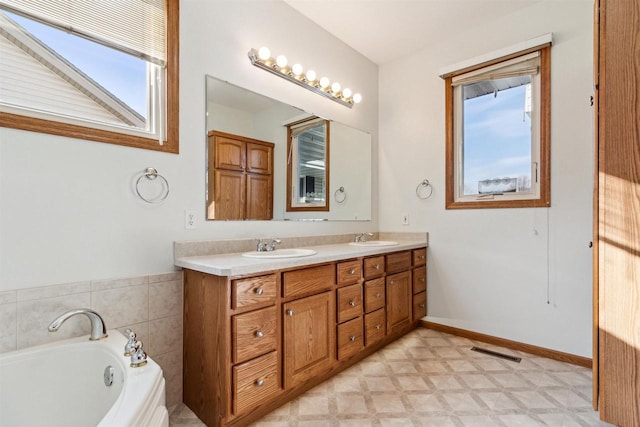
[524, 65]
[136, 27]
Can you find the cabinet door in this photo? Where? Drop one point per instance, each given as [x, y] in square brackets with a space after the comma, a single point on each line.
[399, 300]
[228, 198]
[259, 197]
[309, 337]
[229, 154]
[259, 158]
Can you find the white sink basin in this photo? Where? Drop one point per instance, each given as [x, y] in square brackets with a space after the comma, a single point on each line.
[280, 253]
[374, 243]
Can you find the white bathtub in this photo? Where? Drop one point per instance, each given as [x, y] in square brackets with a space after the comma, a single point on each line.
[62, 384]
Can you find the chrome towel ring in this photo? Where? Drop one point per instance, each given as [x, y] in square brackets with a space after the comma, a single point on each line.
[340, 195]
[151, 174]
[424, 190]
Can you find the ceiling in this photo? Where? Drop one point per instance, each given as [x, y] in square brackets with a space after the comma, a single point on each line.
[385, 30]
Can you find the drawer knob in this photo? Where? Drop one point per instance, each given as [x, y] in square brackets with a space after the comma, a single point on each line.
[259, 291]
[352, 338]
[259, 334]
[352, 271]
[422, 279]
[289, 312]
[378, 326]
[352, 303]
[378, 295]
[421, 256]
[391, 282]
[421, 305]
[259, 383]
[376, 266]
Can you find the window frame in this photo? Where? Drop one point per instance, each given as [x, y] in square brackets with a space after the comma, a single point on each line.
[453, 163]
[170, 143]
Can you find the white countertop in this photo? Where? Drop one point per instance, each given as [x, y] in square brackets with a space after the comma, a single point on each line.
[235, 264]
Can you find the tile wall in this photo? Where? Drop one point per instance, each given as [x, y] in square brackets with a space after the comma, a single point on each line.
[151, 305]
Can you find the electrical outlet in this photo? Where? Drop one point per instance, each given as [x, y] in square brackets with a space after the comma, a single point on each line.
[405, 219]
[190, 220]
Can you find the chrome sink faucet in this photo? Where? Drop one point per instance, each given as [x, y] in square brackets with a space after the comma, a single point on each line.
[98, 328]
[267, 245]
[361, 237]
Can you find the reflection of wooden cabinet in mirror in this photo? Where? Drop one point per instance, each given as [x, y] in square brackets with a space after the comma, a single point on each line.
[240, 177]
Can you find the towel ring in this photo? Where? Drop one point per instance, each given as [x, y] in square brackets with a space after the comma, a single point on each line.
[340, 195]
[151, 174]
[424, 190]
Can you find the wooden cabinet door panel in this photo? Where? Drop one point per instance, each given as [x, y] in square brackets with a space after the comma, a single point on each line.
[259, 158]
[308, 280]
[255, 381]
[259, 197]
[349, 272]
[350, 338]
[374, 327]
[419, 305]
[229, 154]
[399, 300]
[373, 267]
[419, 280]
[309, 337]
[228, 195]
[398, 261]
[373, 294]
[349, 302]
[253, 333]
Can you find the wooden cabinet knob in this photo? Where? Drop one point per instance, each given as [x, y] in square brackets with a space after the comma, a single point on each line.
[376, 266]
[352, 303]
[352, 271]
[422, 279]
[378, 295]
[259, 383]
[259, 334]
[289, 312]
[258, 291]
[352, 338]
[422, 305]
[378, 326]
[391, 282]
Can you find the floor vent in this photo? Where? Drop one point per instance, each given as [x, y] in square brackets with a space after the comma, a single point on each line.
[496, 354]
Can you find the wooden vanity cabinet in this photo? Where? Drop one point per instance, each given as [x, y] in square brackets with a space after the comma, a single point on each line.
[241, 177]
[254, 343]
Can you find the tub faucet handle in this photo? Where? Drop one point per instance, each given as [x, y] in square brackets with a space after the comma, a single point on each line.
[139, 357]
[130, 346]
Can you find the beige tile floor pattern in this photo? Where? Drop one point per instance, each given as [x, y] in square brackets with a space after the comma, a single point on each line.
[428, 378]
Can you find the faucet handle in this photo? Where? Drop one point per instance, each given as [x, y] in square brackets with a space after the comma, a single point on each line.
[130, 346]
[139, 357]
[271, 245]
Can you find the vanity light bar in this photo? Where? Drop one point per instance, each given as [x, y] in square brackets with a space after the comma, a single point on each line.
[262, 59]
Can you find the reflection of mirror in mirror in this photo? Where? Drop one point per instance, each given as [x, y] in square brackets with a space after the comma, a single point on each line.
[237, 111]
[308, 166]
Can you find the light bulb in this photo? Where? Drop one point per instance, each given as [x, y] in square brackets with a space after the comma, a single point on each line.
[264, 53]
[311, 76]
[281, 61]
[335, 87]
[346, 93]
[324, 82]
[297, 69]
[357, 98]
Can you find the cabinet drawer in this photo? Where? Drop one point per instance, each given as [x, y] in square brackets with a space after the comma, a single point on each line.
[373, 267]
[350, 339]
[373, 294]
[253, 291]
[255, 381]
[398, 261]
[349, 272]
[419, 257]
[419, 305]
[253, 334]
[374, 326]
[349, 302]
[308, 280]
[419, 280]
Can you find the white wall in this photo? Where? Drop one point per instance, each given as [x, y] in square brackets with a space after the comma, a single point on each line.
[68, 207]
[489, 270]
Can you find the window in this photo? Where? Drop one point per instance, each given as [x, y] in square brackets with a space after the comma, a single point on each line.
[101, 71]
[497, 136]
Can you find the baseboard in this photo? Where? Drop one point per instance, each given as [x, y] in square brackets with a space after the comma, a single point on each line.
[513, 345]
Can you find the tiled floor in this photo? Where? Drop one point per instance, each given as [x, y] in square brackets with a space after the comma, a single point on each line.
[428, 378]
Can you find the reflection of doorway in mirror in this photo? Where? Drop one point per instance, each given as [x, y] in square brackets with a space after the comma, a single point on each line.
[308, 166]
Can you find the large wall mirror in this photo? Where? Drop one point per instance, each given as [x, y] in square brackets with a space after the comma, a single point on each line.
[267, 159]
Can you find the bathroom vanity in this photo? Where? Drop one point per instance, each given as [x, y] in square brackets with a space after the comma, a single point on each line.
[258, 333]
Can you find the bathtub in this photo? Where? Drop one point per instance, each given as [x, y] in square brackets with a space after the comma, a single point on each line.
[63, 384]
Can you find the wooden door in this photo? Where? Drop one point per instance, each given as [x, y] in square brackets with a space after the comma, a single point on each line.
[309, 337]
[619, 212]
[229, 153]
[228, 197]
[399, 300]
[260, 158]
[259, 196]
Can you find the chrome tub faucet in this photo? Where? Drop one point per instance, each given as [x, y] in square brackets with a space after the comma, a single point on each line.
[98, 328]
